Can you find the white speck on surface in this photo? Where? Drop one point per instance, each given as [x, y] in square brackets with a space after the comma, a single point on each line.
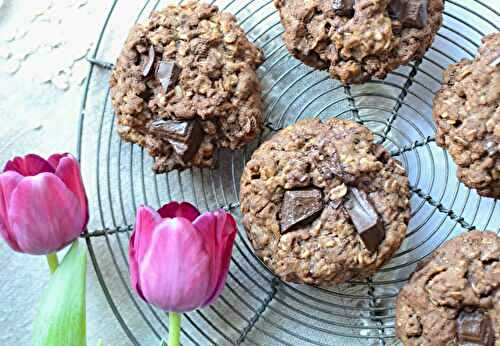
[5, 53]
[12, 66]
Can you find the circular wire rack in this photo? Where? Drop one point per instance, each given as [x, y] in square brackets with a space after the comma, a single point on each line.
[257, 308]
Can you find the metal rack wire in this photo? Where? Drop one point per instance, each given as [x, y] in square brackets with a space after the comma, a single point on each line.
[257, 308]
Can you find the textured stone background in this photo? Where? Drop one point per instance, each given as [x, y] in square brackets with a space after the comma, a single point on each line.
[42, 68]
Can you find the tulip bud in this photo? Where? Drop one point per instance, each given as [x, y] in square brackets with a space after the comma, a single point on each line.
[179, 259]
[43, 206]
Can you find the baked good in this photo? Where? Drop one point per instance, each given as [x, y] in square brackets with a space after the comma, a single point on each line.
[322, 203]
[185, 84]
[357, 40]
[454, 297]
[467, 115]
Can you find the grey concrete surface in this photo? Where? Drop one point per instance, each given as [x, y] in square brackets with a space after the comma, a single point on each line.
[42, 46]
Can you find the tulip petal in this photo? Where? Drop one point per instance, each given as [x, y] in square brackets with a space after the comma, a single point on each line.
[175, 209]
[8, 182]
[225, 234]
[134, 266]
[145, 223]
[68, 171]
[55, 158]
[29, 165]
[44, 215]
[174, 274]
[219, 230]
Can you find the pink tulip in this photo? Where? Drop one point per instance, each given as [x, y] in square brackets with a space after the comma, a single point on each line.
[43, 206]
[179, 259]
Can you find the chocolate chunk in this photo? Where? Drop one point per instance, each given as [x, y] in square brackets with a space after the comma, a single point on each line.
[415, 14]
[411, 13]
[395, 8]
[184, 136]
[300, 207]
[475, 328]
[397, 27]
[343, 7]
[149, 64]
[172, 128]
[168, 73]
[365, 219]
[186, 151]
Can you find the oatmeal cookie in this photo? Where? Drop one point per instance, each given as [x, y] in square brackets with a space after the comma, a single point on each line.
[185, 84]
[467, 115]
[454, 297]
[357, 40]
[322, 203]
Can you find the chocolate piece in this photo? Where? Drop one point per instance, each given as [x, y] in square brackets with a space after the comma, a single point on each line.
[185, 150]
[365, 219]
[172, 128]
[411, 13]
[300, 207]
[168, 73]
[395, 8]
[474, 328]
[184, 136]
[343, 7]
[149, 64]
[415, 14]
[397, 27]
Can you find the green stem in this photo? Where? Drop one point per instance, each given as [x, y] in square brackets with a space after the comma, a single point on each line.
[53, 262]
[174, 333]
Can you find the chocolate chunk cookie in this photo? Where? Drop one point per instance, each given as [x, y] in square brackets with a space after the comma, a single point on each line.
[467, 115]
[185, 84]
[358, 39]
[322, 203]
[454, 298]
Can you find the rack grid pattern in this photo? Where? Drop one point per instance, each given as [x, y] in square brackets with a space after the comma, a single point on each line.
[256, 307]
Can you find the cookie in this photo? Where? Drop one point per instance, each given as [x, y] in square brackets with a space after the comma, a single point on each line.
[467, 115]
[322, 203]
[358, 40]
[185, 84]
[454, 297]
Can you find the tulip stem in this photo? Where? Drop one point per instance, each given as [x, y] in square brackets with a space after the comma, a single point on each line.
[174, 334]
[53, 262]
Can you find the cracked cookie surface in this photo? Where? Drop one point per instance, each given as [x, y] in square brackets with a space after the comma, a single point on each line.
[368, 39]
[460, 278]
[187, 68]
[467, 115]
[296, 198]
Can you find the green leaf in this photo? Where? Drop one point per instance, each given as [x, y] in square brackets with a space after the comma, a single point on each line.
[61, 318]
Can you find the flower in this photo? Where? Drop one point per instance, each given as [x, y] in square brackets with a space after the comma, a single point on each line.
[179, 259]
[43, 206]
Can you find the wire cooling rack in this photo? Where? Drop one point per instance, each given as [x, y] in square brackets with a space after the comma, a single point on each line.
[257, 308]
